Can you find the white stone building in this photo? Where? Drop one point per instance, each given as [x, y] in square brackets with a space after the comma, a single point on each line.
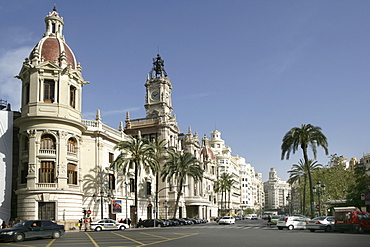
[276, 192]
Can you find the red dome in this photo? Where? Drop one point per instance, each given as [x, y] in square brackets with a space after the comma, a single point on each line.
[51, 48]
[207, 154]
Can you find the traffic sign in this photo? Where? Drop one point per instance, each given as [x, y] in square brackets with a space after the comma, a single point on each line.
[89, 211]
[150, 205]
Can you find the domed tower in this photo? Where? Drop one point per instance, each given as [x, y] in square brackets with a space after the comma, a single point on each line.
[50, 127]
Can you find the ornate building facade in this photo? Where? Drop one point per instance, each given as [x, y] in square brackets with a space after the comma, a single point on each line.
[63, 162]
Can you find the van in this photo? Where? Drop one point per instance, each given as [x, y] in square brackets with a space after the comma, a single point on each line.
[354, 221]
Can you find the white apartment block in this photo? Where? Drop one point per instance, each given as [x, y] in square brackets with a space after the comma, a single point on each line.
[276, 192]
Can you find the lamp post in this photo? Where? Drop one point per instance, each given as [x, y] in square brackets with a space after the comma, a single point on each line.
[102, 199]
[319, 189]
[288, 204]
[165, 204]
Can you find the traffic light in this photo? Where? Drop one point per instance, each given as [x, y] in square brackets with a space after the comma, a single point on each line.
[84, 211]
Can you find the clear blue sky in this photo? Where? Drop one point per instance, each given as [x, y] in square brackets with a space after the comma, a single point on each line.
[250, 69]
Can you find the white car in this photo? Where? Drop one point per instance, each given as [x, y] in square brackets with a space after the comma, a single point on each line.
[227, 220]
[108, 224]
[292, 222]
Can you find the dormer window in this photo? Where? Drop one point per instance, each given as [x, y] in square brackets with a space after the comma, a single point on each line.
[53, 28]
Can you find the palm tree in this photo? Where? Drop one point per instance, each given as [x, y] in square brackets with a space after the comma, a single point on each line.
[158, 149]
[136, 153]
[299, 172]
[307, 135]
[223, 185]
[178, 167]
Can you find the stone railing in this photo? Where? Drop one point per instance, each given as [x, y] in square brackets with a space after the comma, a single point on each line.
[47, 151]
[46, 185]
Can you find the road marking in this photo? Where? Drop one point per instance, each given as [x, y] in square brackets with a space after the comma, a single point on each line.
[49, 244]
[156, 236]
[92, 240]
[128, 238]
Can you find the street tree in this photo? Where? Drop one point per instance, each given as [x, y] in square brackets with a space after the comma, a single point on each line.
[298, 175]
[136, 154]
[177, 168]
[304, 137]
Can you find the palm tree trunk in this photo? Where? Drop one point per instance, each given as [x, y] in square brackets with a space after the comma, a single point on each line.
[178, 198]
[304, 194]
[304, 148]
[156, 195]
[134, 221]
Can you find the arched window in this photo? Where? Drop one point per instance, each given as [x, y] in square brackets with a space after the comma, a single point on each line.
[71, 146]
[72, 173]
[47, 142]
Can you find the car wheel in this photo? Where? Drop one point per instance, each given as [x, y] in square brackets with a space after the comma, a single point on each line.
[360, 229]
[122, 228]
[182, 223]
[311, 230]
[328, 228]
[18, 237]
[290, 227]
[56, 234]
[280, 228]
[98, 229]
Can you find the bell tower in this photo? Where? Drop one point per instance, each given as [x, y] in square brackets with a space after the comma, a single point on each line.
[158, 101]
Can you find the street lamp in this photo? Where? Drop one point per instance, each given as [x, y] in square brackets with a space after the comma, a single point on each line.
[288, 199]
[102, 199]
[165, 203]
[319, 189]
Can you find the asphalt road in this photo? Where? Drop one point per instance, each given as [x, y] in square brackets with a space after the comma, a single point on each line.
[243, 233]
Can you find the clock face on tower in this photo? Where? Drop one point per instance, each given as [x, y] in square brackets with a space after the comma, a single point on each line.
[155, 95]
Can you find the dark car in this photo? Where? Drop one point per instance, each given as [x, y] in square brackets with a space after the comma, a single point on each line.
[150, 223]
[181, 221]
[32, 229]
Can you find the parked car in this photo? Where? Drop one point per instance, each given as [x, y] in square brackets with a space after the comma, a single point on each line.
[325, 223]
[292, 222]
[108, 224]
[171, 222]
[150, 223]
[32, 229]
[227, 220]
[354, 221]
[180, 221]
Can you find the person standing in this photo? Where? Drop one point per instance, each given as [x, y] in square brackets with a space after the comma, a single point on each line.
[80, 224]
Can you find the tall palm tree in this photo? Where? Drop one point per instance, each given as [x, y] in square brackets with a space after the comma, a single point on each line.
[299, 173]
[135, 152]
[178, 167]
[305, 136]
[223, 185]
[158, 150]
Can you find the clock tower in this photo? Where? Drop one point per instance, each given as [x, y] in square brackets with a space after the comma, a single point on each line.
[158, 101]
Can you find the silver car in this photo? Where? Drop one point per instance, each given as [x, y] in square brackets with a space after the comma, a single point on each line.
[325, 223]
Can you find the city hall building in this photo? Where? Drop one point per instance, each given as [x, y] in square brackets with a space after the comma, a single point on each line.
[62, 161]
